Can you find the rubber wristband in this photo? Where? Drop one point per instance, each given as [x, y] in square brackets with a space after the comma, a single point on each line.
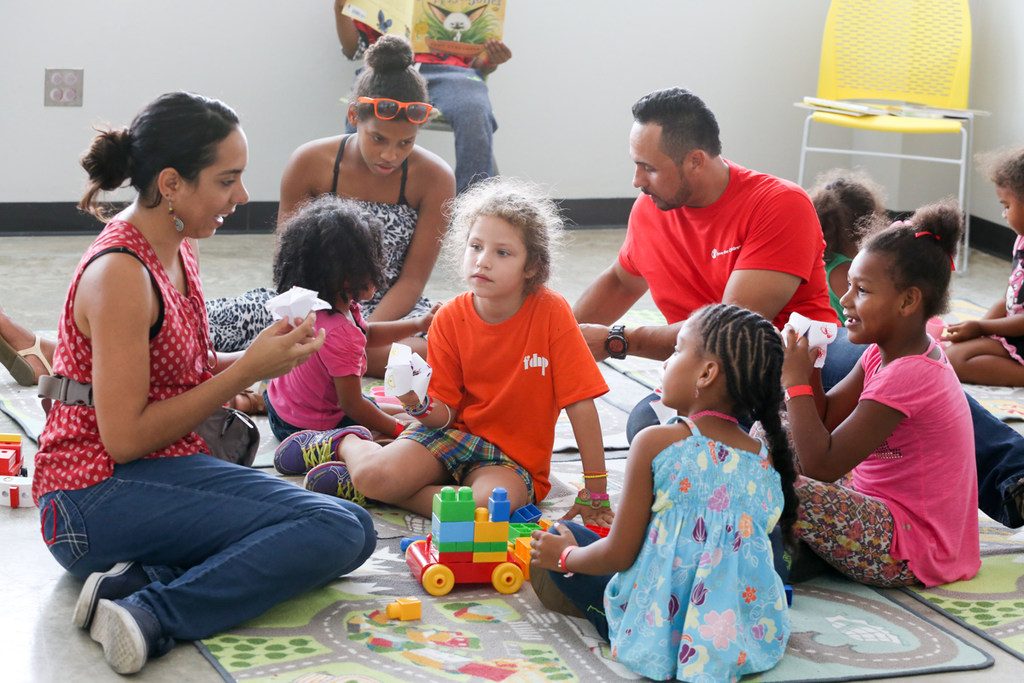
[399, 428]
[563, 557]
[799, 390]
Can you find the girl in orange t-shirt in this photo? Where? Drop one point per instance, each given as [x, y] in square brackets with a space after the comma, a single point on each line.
[507, 357]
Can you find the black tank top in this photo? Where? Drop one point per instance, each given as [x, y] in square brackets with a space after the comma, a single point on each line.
[337, 168]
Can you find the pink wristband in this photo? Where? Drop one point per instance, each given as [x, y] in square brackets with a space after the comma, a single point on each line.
[565, 556]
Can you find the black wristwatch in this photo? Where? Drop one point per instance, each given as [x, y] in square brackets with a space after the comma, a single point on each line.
[616, 344]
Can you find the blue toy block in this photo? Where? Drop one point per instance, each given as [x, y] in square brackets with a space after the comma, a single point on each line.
[498, 505]
[526, 515]
[451, 532]
[408, 540]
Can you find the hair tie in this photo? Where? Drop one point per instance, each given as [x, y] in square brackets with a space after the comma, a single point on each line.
[952, 265]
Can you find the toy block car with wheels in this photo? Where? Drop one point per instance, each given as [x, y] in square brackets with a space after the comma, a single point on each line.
[446, 557]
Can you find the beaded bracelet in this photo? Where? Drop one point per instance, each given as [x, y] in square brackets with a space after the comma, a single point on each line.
[595, 475]
[421, 409]
[594, 500]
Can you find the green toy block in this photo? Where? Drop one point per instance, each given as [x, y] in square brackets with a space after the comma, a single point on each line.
[521, 529]
[454, 506]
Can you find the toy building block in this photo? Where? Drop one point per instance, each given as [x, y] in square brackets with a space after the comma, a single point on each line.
[517, 530]
[405, 609]
[450, 532]
[526, 514]
[789, 595]
[498, 505]
[454, 506]
[494, 556]
[16, 492]
[10, 455]
[601, 531]
[522, 554]
[404, 543]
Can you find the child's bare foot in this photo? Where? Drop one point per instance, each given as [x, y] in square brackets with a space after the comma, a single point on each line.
[23, 353]
[249, 402]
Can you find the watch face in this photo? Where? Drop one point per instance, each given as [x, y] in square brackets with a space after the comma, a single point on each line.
[584, 495]
[616, 345]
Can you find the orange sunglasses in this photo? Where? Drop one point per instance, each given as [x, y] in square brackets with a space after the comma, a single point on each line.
[386, 109]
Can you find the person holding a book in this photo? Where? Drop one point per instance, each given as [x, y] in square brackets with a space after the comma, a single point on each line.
[706, 230]
[457, 88]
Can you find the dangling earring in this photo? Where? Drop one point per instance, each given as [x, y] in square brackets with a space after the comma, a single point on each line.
[178, 224]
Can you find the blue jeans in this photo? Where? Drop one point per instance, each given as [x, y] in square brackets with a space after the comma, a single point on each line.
[220, 543]
[282, 429]
[461, 95]
[585, 591]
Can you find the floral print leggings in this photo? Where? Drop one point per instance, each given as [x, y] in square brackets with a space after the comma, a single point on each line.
[850, 531]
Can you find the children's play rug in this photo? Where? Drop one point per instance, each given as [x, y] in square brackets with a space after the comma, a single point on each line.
[841, 631]
[992, 603]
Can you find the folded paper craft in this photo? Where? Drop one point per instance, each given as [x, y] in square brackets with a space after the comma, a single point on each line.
[406, 371]
[819, 334]
[297, 302]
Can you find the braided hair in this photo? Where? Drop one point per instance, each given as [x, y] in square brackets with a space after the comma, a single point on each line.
[750, 349]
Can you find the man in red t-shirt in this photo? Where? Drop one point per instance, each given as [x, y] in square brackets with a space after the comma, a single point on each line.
[705, 230]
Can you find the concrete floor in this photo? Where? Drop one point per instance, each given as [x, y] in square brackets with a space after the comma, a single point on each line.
[39, 644]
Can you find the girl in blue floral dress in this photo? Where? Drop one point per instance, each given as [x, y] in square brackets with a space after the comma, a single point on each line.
[697, 597]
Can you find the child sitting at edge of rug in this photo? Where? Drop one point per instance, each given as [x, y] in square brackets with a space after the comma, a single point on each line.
[332, 247]
[696, 596]
[991, 350]
[507, 357]
[844, 201]
[899, 423]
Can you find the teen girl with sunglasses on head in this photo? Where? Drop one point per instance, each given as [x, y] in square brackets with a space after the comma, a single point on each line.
[380, 166]
[899, 423]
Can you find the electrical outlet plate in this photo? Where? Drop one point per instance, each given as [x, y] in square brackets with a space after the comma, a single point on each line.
[63, 87]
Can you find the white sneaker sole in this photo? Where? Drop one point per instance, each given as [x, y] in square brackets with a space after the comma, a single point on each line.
[123, 645]
[86, 605]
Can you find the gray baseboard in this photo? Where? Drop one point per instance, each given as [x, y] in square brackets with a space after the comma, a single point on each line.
[64, 218]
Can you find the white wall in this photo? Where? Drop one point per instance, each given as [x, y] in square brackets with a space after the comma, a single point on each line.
[562, 101]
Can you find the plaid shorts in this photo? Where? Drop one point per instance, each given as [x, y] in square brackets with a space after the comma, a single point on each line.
[461, 453]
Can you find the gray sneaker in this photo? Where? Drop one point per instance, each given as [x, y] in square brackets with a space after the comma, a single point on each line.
[127, 633]
[120, 581]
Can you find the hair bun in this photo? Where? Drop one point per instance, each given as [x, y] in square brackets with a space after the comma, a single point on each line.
[390, 53]
[109, 159]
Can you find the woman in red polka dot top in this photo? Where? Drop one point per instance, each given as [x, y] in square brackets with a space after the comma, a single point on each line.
[172, 543]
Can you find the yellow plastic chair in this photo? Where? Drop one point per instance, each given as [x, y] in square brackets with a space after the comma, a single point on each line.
[915, 52]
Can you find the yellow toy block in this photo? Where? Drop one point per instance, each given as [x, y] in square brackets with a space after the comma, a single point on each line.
[405, 609]
[490, 557]
[491, 532]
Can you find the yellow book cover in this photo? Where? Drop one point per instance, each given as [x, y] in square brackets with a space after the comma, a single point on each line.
[456, 27]
[385, 16]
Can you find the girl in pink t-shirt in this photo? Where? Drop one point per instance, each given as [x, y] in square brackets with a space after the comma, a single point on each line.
[333, 248]
[898, 424]
[991, 350]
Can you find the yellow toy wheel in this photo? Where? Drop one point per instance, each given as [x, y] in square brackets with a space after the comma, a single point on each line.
[439, 579]
[507, 578]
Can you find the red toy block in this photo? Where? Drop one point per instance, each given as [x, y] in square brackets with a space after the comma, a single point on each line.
[10, 455]
[601, 531]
